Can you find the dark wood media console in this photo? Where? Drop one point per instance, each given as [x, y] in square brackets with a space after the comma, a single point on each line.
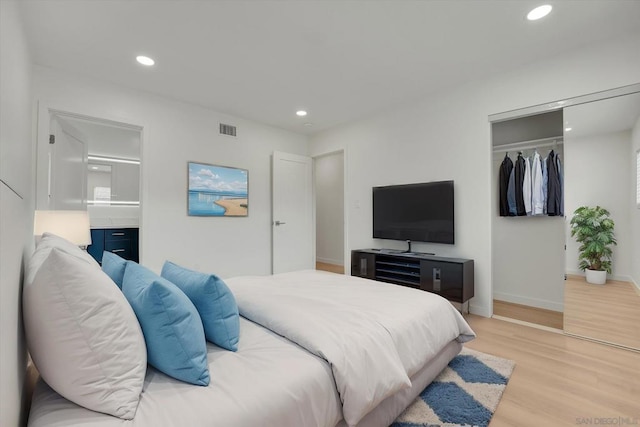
[451, 278]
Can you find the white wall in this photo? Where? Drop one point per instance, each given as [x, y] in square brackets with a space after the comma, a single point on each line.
[175, 133]
[329, 186]
[597, 173]
[16, 207]
[447, 136]
[109, 141]
[635, 210]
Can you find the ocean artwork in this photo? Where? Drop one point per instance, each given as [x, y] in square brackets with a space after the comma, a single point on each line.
[217, 190]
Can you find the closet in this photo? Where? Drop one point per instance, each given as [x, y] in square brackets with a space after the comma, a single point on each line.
[600, 134]
[528, 249]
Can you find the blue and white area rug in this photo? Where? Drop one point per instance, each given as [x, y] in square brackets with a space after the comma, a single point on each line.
[466, 393]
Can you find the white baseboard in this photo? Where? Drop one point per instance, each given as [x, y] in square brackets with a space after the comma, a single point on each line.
[620, 277]
[330, 261]
[479, 310]
[533, 302]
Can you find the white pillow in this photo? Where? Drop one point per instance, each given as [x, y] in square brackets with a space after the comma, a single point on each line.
[83, 335]
[43, 248]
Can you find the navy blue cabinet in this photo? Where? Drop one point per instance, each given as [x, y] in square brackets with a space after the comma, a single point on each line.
[121, 241]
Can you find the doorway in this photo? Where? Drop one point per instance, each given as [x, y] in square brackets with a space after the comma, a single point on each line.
[329, 209]
[93, 164]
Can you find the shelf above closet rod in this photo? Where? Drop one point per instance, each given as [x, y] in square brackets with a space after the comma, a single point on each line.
[524, 145]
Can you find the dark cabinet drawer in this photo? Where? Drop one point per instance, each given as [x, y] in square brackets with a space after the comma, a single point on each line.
[120, 241]
[453, 281]
[122, 248]
[363, 265]
[119, 234]
[441, 278]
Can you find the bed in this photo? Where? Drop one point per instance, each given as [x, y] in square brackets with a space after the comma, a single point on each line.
[316, 349]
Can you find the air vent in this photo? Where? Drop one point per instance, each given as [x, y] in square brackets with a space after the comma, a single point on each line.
[227, 129]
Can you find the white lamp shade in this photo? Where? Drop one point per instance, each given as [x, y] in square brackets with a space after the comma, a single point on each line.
[70, 225]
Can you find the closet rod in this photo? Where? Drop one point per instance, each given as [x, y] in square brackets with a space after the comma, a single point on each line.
[523, 145]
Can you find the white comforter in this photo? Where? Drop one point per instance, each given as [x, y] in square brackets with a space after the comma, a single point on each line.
[374, 335]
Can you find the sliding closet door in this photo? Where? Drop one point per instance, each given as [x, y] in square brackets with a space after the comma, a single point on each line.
[528, 251]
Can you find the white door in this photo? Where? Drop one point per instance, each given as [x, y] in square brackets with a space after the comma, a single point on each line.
[293, 222]
[67, 167]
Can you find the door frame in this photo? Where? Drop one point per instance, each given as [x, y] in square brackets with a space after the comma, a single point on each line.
[47, 109]
[345, 212]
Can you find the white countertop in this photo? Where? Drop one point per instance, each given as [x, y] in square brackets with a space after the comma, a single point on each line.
[114, 223]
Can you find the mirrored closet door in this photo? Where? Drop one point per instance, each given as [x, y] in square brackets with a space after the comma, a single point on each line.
[536, 271]
[528, 238]
[602, 139]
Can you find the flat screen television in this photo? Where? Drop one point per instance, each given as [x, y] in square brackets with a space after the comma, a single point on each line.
[416, 212]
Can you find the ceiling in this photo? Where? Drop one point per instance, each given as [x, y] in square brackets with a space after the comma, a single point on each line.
[339, 60]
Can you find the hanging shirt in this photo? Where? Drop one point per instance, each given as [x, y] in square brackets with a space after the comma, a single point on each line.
[503, 184]
[561, 181]
[526, 187]
[511, 194]
[537, 195]
[519, 169]
[545, 184]
[554, 195]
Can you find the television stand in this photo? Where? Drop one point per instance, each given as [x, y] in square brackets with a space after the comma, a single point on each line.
[451, 278]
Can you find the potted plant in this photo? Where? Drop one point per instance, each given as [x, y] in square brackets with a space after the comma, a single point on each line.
[593, 229]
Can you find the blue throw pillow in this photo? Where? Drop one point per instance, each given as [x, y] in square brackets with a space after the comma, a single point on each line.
[114, 266]
[170, 323]
[213, 300]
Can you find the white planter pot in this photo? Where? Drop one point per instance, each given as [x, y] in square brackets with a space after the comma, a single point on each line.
[596, 277]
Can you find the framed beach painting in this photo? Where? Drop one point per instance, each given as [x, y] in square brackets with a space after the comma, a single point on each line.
[217, 190]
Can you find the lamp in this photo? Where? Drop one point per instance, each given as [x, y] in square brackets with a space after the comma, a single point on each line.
[70, 225]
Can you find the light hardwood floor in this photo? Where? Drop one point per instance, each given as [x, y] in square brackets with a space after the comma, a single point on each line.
[560, 380]
[540, 316]
[330, 267]
[609, 312]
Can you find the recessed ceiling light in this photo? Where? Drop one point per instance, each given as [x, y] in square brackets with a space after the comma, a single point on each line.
[568, 129]
[308, 124]
[539, 12]
[301, 113]
[145, 60]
